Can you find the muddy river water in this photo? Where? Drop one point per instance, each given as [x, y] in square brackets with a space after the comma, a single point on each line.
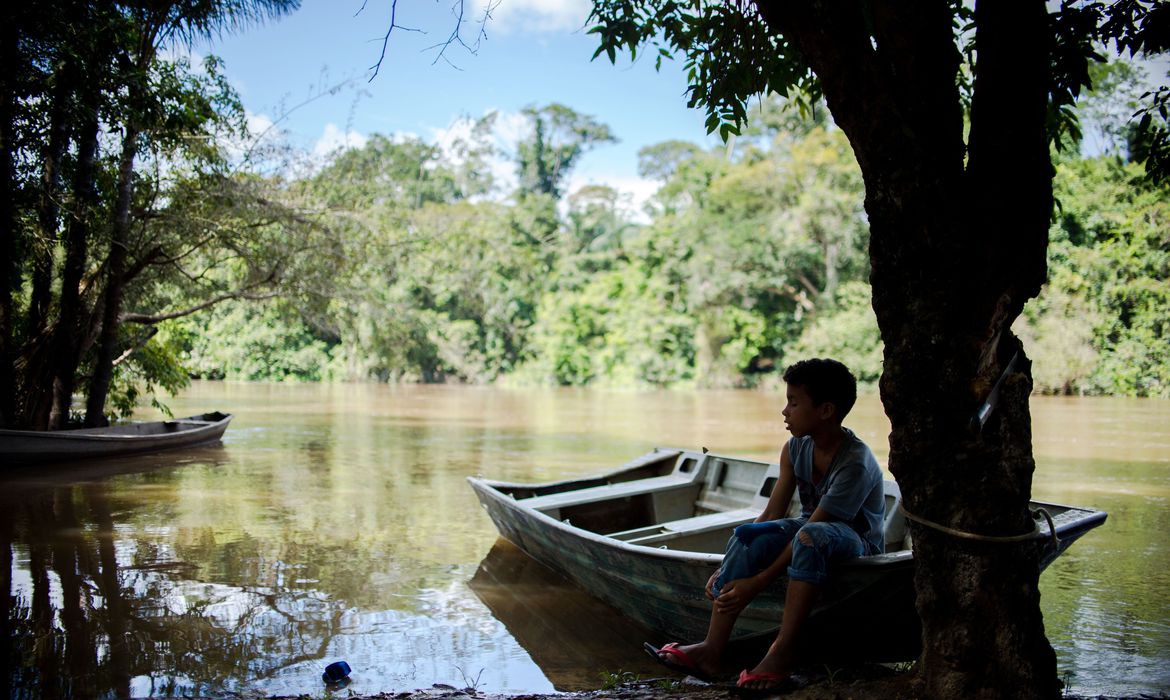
[334, 522]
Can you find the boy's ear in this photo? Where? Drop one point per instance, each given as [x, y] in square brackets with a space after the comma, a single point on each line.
[827, 410]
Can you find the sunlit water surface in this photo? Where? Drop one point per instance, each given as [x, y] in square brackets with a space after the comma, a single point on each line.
[334, 522]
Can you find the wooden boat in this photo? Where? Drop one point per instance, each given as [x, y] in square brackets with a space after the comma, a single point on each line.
[646, 537]
[19, 447]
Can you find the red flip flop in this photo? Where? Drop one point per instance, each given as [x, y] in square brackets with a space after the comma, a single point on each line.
[670, 656]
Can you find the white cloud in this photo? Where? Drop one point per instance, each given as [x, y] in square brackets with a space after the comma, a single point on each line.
[498, 146]
[257, 123]
[334, 139]
[534, 15]
[244, 147]
[635, 191]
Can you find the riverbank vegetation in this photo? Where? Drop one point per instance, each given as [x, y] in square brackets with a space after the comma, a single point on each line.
[744, 260]
[153, 238]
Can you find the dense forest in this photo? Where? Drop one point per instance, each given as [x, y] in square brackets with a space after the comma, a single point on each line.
[153, 239]
[744, 260]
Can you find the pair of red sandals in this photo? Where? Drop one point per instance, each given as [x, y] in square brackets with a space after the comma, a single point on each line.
[674, 658]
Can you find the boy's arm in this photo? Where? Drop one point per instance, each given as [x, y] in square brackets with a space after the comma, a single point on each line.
[781, 497]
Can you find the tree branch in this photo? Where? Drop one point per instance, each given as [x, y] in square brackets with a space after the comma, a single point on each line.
[150, 319]
[136, 346]
[1009, 163]
[836, 44]
[390, 30]
[888, 72]
[455, 37]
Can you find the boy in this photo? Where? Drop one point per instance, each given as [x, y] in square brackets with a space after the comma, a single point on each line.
[842, 507]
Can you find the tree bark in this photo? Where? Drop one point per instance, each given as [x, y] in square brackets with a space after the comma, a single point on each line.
[65, 355]
[66, 82]
[955, 252]
[107, 351]
[53, 346]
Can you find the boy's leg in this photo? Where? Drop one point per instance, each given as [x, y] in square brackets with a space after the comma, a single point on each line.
[815, 547]
[749, 551]
[798, 603]
[754, 546]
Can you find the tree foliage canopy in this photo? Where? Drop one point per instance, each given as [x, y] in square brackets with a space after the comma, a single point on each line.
[732, 56]
[951, 113]
[738, 267]
[97, 130]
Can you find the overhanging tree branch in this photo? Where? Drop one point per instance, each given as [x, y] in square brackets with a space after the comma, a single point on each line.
[150, 319]
[458, 8]
[136, 345]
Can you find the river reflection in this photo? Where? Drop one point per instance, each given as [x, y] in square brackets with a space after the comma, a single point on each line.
[334, 523]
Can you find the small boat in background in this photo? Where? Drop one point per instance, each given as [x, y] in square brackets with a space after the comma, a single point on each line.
[646, 537]
[24, 447]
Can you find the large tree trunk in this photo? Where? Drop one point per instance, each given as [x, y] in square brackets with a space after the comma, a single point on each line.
[66, 81]
[53, 355]
[955, 252]
[981, 482]
[66, 345]
[52, 350]
[107, 350]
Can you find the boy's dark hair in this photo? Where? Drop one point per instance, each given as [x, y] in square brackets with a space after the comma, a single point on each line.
[825, 380]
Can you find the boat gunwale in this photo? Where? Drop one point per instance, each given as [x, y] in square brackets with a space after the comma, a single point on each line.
[89, 434]
[1084, 520]
[682, 555]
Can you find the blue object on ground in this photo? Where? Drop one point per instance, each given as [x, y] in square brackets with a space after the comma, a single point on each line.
[336, 672]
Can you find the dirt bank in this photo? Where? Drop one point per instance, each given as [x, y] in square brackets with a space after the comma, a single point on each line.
[849, 685]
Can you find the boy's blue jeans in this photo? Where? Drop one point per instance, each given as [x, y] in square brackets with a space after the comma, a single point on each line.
[754, 546]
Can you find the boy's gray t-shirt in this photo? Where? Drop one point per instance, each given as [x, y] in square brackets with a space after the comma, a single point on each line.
[851, 491]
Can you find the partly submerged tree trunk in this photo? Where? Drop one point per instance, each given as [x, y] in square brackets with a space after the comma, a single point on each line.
[956, 249]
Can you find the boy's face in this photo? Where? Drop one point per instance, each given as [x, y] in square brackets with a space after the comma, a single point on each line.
[802, 416]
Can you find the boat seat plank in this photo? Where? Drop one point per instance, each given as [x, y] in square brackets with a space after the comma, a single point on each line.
[688, 526]
[605, 492]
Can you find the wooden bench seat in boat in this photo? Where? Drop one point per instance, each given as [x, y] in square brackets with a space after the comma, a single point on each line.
[623, 505]
[631, 503]
[608, 492]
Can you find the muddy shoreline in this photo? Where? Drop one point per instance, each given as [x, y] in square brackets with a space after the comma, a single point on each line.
[893, 689]
[852, 684]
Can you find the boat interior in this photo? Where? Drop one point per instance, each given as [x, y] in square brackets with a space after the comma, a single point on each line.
[679, 499]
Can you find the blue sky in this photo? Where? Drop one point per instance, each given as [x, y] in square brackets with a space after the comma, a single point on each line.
[535, 52]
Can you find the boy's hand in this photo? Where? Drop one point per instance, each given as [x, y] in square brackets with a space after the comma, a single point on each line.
[710, 589]
[736, 595]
